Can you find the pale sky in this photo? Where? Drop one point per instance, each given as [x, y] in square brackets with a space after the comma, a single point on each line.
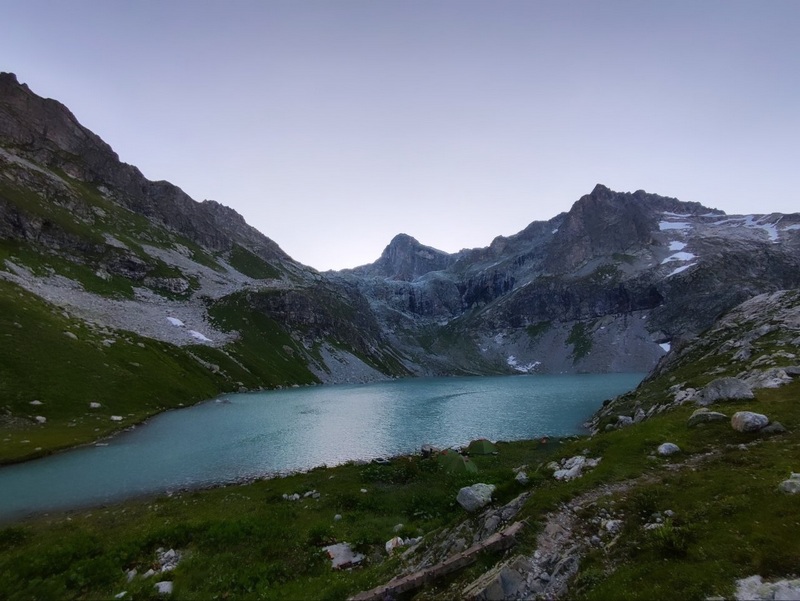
[333, 125]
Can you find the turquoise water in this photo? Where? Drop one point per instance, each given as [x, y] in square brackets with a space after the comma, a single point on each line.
[259, 434]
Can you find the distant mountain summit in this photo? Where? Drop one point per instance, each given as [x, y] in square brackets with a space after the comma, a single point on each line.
[406, 259]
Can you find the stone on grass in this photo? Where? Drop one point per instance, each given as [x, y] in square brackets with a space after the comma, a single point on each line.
[393, 543]
[164, 587]
[774, 428]
[755, 589]
[747, 421]
[342, 556]
[475, 497]
[94, 405]
[41, 419]
[724, 389]
[624, 421]
[573, 467]
[705, 416]
[522, 478]
[668, 448]
[792, 485]
[116, 418]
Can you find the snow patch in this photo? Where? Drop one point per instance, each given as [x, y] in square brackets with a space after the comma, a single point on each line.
[675, 245]
[555, 230]
[681, 256]
[673, 225]
[795, 226]
[665, 346]
[512, 362]
[175, 321]
[750, 221]
[680, 269]
[198, 336]
[676, 214]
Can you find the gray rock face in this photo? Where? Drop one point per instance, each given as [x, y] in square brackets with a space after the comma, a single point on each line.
[724, 389]
[705, 416]
[747, 421]
[475, 497]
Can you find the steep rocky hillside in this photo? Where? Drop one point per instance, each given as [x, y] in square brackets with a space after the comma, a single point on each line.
[104, 273]
[608, 286]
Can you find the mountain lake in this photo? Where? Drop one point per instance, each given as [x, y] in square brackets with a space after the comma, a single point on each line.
[252, 435]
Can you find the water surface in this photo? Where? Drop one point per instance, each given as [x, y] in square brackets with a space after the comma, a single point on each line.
[258, 434]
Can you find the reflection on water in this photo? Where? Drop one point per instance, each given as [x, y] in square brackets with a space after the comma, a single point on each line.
[257, 434]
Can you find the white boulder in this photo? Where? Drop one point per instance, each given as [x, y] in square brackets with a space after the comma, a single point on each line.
[476, 496]
[668, 448]
[747, 421]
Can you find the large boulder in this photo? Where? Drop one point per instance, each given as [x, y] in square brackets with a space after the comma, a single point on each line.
[705, 416]
[724, 389]
[475, 497]
[747, 421]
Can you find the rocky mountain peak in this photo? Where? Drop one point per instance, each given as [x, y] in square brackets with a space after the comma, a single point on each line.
[46, 132]
[405, 258]
[605, 222]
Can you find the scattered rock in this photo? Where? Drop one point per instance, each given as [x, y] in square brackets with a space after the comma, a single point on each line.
[522, 478]
[475, 497]
[792, 485]
[41, 419]
[623, 421]
[774, 428]
[164, 587]
[337, 517]
[668, 448]
[747, 421]
[70, 335]
[36, 403]
[397, 528]
[612, 526]
[428, 450]
[639, 416]
[94, 405]
[755, 589]
[342, 556]
[573, 467]
[116, 418]
[393, 543]
[724, 389]
[132, 574]
[705, 416]
[120, 595]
